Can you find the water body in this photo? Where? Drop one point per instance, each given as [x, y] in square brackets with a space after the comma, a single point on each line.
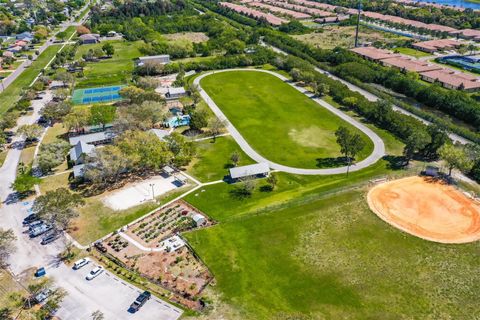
[457, 3]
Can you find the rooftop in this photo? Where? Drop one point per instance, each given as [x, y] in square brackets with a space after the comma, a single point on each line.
[409, 64]
[92, 137]
[453, 78]
[374, 53]
[250, 170]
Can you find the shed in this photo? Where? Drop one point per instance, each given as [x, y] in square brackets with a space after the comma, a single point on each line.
[175, 93]
[162, 59]
[199, 220]
[89, 38]
[253, 170]
[168, 170]
[181, 179]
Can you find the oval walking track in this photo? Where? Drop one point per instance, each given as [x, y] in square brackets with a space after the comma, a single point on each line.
[378, 150]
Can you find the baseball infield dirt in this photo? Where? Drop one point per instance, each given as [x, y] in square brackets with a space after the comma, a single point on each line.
[426, 208]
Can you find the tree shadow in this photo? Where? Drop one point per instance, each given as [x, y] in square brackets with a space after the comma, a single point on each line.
[331, 162]
[228, 166]
[266, 188]
[395, 162]
[239, 193]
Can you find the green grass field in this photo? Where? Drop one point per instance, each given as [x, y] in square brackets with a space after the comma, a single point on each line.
[13, 91]
[213, 159]
[117, 70]
[295, 131]
[332, 258]
[412, 52]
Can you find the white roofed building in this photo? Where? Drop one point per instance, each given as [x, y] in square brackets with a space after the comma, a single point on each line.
[252, 170]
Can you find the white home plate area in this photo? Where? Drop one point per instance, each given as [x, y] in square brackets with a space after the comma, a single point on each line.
[139, 192]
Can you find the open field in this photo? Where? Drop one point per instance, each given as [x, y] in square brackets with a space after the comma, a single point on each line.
[213, 160]
[193, 37]
[11, 94]
[427, 208]
[296, 131]
[333, 36]
[412, 52]
[332, 258]
[116, 70]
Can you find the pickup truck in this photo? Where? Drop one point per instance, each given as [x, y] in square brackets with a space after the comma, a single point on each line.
[141, 300]
[40, 229]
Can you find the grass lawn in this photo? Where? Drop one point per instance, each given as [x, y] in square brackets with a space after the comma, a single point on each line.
[296, 131]
[27, 155]
[332, 258]
[117, 70]
[213, 160]
[3, 155]
[412, 52]
[53, 134]
[13, 91]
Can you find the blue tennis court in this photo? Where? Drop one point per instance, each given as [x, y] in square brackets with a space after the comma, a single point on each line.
[96, 95]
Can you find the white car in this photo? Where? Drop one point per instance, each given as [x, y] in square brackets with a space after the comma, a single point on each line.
[94, 273]
[81, 263]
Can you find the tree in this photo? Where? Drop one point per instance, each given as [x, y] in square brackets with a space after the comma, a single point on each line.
[24, 182]
[183, 151]
[61, 35]
[245, 188]
[52, 155]
[272, 181]
[417, 140]
[30, 131]
[198, 120]
[350, 144]
[102, 114]
[106, 166]
[55, 111]
[82, 30]
[77, 119]
[455, 157]
[108, 48]
[216, 126]
[321, 89]
[58, 207]
[7, 238]
[235, 47]
[235, 158]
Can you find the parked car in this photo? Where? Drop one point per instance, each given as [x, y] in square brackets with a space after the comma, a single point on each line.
[94, 273]
[40, 272]
[100, 247]
[140, 301]
[42, 295]
[39, 230]
[35, 223]
[50, 237]
[81, 263]
[30, 218]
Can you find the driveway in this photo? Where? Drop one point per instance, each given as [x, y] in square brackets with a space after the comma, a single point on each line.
[377, 153]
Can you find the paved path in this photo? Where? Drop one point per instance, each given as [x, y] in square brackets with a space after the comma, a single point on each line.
[378, 150]
[371, 97]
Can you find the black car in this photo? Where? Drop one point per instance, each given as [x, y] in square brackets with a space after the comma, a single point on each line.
[141, 300]
[30, 218]
[100, 247]
[50, 237]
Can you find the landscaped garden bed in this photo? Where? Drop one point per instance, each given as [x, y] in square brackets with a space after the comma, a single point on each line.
[176, 217]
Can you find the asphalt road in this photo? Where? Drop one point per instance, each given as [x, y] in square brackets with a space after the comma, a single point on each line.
[378, 150]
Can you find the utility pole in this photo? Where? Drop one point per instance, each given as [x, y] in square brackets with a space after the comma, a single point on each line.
[153, 191]
[358, 22]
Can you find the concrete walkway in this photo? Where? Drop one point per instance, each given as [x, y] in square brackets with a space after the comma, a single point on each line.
[378, 150]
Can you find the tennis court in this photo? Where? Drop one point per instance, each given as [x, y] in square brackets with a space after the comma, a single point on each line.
[96, 95]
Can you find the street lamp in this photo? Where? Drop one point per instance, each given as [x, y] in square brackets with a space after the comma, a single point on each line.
[153, 191]
[358, 22]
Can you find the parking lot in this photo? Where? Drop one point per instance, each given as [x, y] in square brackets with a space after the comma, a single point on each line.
[106, 293]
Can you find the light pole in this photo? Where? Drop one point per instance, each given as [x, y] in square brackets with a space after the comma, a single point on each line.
[153, 191]
[358, 22]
